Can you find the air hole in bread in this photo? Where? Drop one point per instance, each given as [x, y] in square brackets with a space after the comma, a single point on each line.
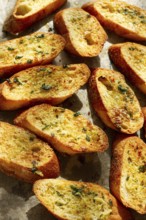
[89, 38]
[23, 10]
[106, 83]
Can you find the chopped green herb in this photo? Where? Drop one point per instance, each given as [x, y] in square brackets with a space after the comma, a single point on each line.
[142, 169]
[29, 61]
[127, 178]
[77, 191]
[59, 203]
[45, 127]
[46, 87]
[87, 138]
[31, 138]
[16, 80]
[10, 48]
[40, 36]
[18, 57]
[84, 129]
[32, 91]
[41, 69]
[88, 16]
[65, 66]
[132, 48]
[143, 21]
[110, 203]
[122, 89]
[77, 114]
[34, 168]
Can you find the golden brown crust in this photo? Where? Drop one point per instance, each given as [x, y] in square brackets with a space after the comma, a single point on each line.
[83, 34]
[67, 131]
[76, 196]
[127, 177]
[24, 156]
[24, 14]
[130, 59]
[31, 50]
[120, 17]
[50, 84]
[114, 101]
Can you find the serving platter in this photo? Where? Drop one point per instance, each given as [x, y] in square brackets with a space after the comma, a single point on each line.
[17, 200]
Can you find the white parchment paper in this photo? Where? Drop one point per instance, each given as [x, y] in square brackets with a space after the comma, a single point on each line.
[17, 201]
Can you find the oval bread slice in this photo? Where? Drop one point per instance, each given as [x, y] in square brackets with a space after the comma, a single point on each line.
[71, 200]
[30, 50]
[128, 172]
[83, 34]
[130, 58]
[24, 156]
[67, 131]
[114, 101]
[27, 12]
[120, 17]
[51, 84]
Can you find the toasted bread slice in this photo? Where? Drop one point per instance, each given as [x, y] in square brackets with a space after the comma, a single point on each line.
[24, 156]
[31, 50]
[72, 200]
[83, 34]
[51, 84]
[120, 17]
[27, 12]
[67, 131]
[128, 172]
[130, 58]
[144, 114]
[114, 101]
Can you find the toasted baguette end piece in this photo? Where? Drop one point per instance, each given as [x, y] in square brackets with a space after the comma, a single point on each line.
[114, 101]
[127, 175]
[68, 199]
[24, 156]
[130, 59]
[83, 33]
[67, 131]
[27, 13]
[51, 84]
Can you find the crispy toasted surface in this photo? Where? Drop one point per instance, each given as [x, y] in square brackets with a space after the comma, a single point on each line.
[24, 156]
[114, 101]
[70, 200]
[128, 168]
[27, 51]
[83, 34]
[130, 58]
[51, 84]
[27, 12]
[124, 19]
[67, 131]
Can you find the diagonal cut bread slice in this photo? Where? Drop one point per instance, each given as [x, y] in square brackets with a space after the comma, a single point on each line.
[124, 19]
[114, 101]
[83, 33]
[24, 156]
[67, 131]
[51, 84]
[72, 200]
[128, 172]
[27, 12]
[130, 58]
[31, 50]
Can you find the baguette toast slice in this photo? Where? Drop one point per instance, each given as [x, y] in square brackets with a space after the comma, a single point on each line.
[128, 172]
[72, 200]
[27, 51]
[66, 131]
[83, 33]
[120, 17]
[51, 84]
[27, 12]
[24, 156]
[114, 101]
[130, 58]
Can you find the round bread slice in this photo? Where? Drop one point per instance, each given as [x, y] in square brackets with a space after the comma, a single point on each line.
[114, 101]
[24, 156]
[128, 172]
[71, 200]
[83, 33]
[67, 131]
[51, 84]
